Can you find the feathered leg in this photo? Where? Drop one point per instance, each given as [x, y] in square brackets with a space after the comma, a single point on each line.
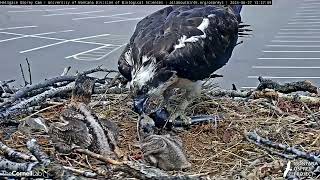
[192, 91]
[166, 97]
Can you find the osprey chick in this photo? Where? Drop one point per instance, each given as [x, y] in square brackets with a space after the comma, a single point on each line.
[177, 47]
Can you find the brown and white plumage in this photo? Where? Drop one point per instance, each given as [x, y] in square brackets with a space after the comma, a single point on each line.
[178, 46]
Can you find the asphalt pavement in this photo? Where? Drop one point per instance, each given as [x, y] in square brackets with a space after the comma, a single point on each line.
[285, 44]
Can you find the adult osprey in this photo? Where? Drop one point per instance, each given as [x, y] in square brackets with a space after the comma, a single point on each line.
[177, 47]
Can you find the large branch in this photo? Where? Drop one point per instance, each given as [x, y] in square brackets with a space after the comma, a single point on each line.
[98, 156]
[4, 87]
[271, 94]
[11, 153]
[226, 92]
[88, 174]
[97, 69]
[101, 139]
[52, 81]
[10, 166]
[263, 141]
[34, 148]
[142, 171]
[17, 112]
[21, 107]
[6, 82]
[49, 82]
[43, 96]
[287, 87]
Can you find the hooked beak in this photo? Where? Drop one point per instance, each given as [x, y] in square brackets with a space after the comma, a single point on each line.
[139, 103]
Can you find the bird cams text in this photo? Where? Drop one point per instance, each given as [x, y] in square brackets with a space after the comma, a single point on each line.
[302, 169]
[34, 173]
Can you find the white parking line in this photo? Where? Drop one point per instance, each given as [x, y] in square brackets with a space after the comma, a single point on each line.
[58, 39]
[306, 26]
[54, 32]
[31, 35]
[303, 19]
[298, 33]
[115, 49]
[307, 10]
[308, 7]
[84, 52]
[39, 10]
[291, 58]
[295, 41]
[73, 13]
[306, 17]
[94, 17]
[299, 29]
[308, 13]
[10, 39]
[91, 56]
[275, 51]
[286, 45]
[123, 20]
[304, 22]
[75, 56]
[65, 41]
[297, 37]
[285, 67]
[19, 27]
[41, 47]
[312, 3]
[302, 16]
[98, 53]
[285, 77]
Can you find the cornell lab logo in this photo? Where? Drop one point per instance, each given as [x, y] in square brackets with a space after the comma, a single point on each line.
[34, 173]
[300, 169]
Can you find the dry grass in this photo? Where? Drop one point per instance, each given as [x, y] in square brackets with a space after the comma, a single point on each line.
[221, 149]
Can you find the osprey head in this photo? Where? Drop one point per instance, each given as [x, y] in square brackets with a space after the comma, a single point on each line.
[150, 80]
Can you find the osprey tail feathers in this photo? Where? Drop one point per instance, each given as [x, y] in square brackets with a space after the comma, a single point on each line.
[236, 8]
[244, 29]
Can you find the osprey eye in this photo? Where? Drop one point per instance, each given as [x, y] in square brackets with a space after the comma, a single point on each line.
[144, 90]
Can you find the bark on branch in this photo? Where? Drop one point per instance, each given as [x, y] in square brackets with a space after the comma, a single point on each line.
[271, 94]
[226, 92]
[10, 166]
[11, 153]
[263, 141]
[49, 82]
[98, 156]
[10, 112]
[34, 148]
[286, 87]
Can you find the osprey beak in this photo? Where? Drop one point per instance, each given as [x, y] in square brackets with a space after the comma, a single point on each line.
[139, 103]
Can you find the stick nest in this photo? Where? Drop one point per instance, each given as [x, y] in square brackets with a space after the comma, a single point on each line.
[219, 149]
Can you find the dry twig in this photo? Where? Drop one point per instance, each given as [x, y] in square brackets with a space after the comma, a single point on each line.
[260, 140]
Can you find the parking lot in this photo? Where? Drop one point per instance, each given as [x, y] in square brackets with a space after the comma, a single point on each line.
[285, 44]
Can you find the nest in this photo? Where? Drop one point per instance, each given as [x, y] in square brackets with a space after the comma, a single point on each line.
[217, 149]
